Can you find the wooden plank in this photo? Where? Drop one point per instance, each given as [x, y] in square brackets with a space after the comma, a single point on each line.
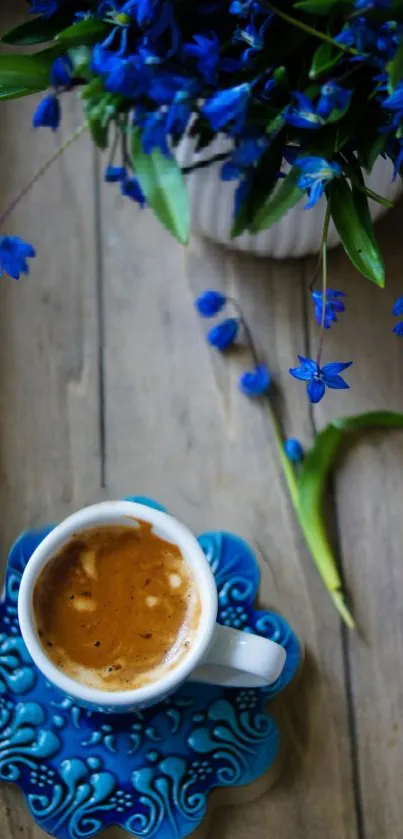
[177, 429]
[49, 412]
[369, 492]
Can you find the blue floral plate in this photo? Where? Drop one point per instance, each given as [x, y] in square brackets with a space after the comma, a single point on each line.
[150, 772]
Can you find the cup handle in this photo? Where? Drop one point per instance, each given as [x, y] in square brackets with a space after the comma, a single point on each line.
[240, 659]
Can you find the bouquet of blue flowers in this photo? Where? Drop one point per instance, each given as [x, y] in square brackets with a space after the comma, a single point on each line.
[309, 92]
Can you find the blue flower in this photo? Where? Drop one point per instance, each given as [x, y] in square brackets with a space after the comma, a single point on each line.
[253, 37]
[206, 50]
[398, 307]
[333, 305]
[398, 312]
[114, 174]
[227, 105]
[255, 382]
[155, 130]
[61, 71]
[332, 97]
[223, 334]
[47, 113]
[316, 174]
[394, 102]
[366, 5]
[245, 154]
[123, 77]
[319, 378]
[210, 303]
[303, 114]
[14, 253]
[293, 450]
[131, 188]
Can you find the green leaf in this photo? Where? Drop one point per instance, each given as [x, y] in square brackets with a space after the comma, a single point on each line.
[164, 187]
[15, 92]
[323, 7]
[30, 72]
[395, 67]
[311, 481]
[83, 33]
[369, 149]
[36, 31]
[324, 59]
[264, 180]
[286, 196]
[350, 214]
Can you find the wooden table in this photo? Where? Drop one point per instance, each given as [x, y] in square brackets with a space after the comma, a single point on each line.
[107, 387]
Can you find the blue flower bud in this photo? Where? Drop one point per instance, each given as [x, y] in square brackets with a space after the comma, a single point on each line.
[47, 113]
[293, 450]
[61, 71]
[223, 334]
[398, 307]
[398, 329]
[210, 303]
[114, 174]
[255, 382]
[131, 188]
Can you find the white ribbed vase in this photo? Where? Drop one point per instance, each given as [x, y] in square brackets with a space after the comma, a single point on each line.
[296, 234]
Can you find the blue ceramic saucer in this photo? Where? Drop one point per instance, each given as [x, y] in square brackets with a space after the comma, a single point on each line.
[150, 772]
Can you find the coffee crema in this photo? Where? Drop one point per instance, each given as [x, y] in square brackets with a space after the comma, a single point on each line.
[117, 607]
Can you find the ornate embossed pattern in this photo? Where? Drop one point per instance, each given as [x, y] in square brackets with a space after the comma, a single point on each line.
[150, 772]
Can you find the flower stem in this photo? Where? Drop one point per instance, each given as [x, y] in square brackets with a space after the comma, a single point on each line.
[202, 164]
[27, 188]
[324, 281]
[288, 468]
[309, 29]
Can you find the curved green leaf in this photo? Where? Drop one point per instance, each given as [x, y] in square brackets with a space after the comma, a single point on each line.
[163, 184]
[286, 196]
[15, 92]
[83, 33]
[351, 216]
[24, 71]
[37, 31]
[395, 67]
[311, 481]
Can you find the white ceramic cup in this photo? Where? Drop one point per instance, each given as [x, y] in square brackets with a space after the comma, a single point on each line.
[218, 655]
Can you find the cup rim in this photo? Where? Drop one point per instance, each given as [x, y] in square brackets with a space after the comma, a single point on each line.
[109, 512]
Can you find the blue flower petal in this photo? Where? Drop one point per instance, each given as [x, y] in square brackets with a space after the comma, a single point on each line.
[398, 329]
[316, 390]
[335, 382]
[223, 334]
[335, 367]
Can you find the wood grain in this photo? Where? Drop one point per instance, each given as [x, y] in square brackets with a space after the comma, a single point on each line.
[49, 411]
[178, 429]
[368, 492]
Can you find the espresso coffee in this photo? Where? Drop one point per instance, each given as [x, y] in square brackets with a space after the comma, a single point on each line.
[117, 607]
